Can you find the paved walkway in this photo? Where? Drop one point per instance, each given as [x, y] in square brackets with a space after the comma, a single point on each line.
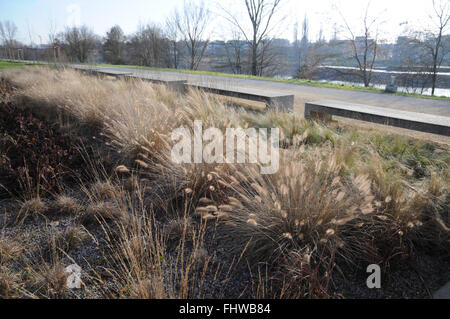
[302, 93]
[305, 94]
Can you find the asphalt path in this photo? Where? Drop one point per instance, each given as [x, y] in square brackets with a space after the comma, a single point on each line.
[303, 93]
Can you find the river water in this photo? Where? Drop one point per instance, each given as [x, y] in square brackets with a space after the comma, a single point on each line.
[427, 91]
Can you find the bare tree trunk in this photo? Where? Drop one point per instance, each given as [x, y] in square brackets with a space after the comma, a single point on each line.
[366, 56]
[434, 78]
[175, 54]
[261, 14]
[192, 25]
[435, 62]
[431, 41]
[254, 58]
[192, 64]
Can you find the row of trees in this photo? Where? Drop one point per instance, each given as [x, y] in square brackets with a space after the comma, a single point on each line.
[182, 42]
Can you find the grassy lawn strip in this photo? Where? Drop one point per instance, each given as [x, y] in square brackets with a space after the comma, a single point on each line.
[10, 65]
[289, 81]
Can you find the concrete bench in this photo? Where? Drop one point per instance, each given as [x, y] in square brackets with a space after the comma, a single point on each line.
[117, 74]
[93, 71]
[272, 99]
[428, 123]
[176, 85]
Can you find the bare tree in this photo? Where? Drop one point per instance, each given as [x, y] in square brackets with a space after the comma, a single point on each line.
[303, 47]
[235, 50]
[410, 56]
[174, 36]
[418, 75]
[52, 34]
[8, 32]
[149, 47]
[272, 60]
[77, 42]
[364, 49]
[114, 46]
[311, 59]
[432, 40]
[261, 14]
[310, 55]
[295, 37]
[192, 22]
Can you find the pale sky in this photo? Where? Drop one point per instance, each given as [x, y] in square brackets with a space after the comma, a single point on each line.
[36, 17]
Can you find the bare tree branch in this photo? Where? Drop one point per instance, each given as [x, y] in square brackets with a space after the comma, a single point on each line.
[364, 48]
[192, 23]
[431, 41]
[261, 14]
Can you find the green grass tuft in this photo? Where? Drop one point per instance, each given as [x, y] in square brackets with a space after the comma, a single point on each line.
[11, 65]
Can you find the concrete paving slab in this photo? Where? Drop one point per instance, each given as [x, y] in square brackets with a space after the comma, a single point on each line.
[272, 99]
[177, 85]
[410, 120]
